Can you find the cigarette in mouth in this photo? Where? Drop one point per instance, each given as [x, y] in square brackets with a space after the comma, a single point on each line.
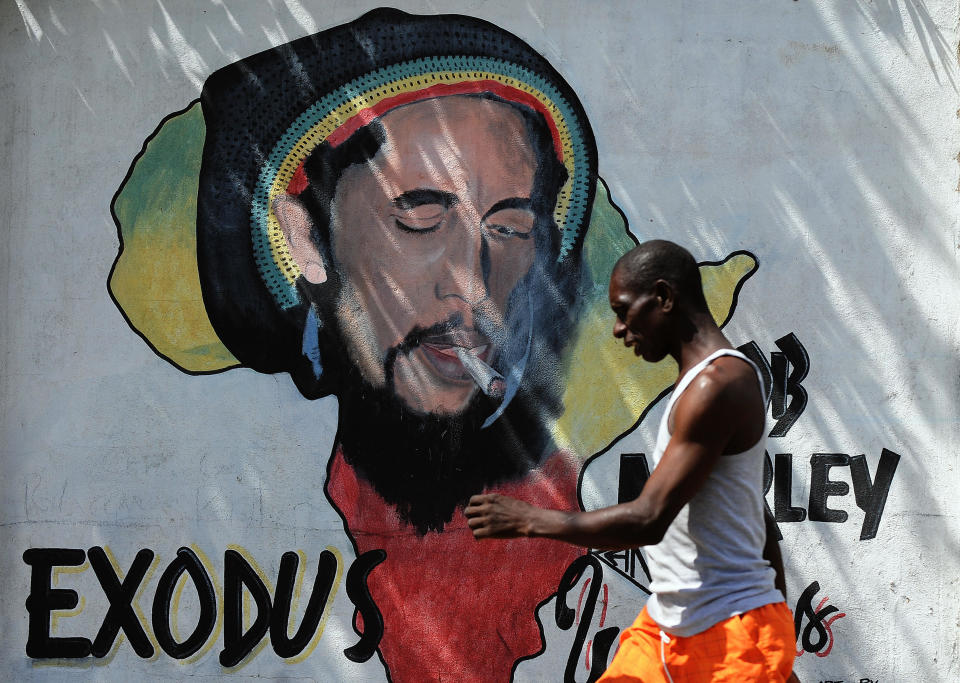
[489, 380]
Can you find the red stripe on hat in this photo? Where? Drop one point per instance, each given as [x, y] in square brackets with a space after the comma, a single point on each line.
[509, 93]
[298, 183]
[363, 117]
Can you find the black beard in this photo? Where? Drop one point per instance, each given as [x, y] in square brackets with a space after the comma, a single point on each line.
[428, 466]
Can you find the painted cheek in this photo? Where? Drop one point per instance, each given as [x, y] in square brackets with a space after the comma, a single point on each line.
[389, 305]
[359, 239]
[393, 295]
[509, 263]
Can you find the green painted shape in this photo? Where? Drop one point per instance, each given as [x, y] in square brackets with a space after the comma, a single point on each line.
[155, 280]
[606, 240]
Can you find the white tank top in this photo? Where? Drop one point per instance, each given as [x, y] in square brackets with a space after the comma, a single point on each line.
[709, 565]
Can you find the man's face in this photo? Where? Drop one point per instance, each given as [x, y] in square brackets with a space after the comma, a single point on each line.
[639, 321]
[429, 239]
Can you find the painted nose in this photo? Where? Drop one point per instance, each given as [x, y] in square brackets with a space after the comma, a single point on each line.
[619, 329]
[463, 274]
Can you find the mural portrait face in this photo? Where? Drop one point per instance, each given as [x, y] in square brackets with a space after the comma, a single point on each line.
[429, 239]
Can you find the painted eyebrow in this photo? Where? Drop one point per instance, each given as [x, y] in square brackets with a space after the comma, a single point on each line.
[411, 199]
[522, 203]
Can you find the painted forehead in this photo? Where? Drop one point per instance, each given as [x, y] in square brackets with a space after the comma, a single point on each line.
[455, 140]
[437, 116]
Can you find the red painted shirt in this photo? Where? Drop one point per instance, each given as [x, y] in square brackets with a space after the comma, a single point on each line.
[453, 608]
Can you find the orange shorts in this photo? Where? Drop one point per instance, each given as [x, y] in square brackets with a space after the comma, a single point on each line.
[758, 645]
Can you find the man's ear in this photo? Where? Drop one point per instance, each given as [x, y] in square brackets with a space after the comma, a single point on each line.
[295, 224]
[665, 295]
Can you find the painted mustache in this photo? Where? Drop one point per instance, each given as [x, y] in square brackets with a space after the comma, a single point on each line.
[470, 348]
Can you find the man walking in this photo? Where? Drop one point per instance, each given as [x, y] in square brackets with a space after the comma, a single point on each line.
[717, 612]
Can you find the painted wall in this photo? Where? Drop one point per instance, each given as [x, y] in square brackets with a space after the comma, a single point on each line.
[214, 452]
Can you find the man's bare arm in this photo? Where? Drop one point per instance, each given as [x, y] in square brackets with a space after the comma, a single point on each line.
[705, 417]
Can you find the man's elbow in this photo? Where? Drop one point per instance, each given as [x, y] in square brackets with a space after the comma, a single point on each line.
[650, 526]
[655, 533]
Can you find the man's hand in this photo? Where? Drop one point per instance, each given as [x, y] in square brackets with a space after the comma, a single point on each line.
[492, 515]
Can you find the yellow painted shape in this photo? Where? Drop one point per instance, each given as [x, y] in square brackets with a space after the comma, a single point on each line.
[155, 279]
[86, 663]
[56, 615]
[327, 608]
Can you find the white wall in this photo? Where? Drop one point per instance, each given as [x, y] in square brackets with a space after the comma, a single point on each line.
[822, 138]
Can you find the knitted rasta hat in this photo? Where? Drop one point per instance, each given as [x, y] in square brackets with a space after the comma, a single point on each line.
[265, 114]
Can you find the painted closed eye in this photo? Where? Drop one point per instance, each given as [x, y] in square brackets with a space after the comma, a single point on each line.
[510, 223]
[420, 219]
[416, 227]
[508, 231]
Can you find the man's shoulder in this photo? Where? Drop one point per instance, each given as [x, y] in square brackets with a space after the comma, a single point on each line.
[720, 392]
[726, 378]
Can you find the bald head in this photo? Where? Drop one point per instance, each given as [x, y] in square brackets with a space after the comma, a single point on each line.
[640, 268]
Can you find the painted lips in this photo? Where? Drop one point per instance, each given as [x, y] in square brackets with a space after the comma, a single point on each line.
[443, 356]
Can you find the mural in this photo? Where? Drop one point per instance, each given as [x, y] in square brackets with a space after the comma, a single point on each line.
[275, 305]
[403, 212]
